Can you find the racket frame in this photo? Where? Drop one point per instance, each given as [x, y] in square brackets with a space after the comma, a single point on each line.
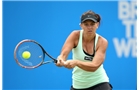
[44, 52]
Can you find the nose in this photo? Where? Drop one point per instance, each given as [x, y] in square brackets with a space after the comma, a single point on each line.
[89, 26]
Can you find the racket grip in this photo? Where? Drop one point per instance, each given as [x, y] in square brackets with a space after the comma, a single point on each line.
[55, 61]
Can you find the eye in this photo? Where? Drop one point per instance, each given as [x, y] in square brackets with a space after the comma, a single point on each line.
[92, 24]
[85, 24]
[89, 24]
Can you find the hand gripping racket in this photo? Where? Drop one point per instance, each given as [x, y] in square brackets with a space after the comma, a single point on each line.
[34, 56]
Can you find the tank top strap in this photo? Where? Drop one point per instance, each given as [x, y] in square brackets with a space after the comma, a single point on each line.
[96, 39]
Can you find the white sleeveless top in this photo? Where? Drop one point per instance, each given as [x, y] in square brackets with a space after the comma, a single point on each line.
[85, 79]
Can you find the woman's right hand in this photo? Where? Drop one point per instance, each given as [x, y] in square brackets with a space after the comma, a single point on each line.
[60, 61]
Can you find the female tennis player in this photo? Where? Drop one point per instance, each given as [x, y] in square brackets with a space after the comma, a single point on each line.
[89, 50]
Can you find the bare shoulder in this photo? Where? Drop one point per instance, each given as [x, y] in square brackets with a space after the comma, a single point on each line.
[102, 42]
[76, 34]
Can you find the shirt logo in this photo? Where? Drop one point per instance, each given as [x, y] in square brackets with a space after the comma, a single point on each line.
[89, 58]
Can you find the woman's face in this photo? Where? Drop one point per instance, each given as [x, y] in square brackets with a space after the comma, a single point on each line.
[89, 26]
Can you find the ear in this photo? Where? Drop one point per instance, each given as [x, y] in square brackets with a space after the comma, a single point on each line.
[97, 25]
[80, 25]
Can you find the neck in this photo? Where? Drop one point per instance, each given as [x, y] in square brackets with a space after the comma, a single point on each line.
[89, 38]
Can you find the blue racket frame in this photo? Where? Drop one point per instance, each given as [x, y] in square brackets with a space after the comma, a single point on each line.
[42, 56]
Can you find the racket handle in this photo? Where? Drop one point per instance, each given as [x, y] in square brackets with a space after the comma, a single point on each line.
[55, 61]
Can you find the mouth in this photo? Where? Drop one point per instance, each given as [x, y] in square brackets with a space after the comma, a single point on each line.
[90, 31]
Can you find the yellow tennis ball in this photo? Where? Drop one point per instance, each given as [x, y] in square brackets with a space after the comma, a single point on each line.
[26, 54]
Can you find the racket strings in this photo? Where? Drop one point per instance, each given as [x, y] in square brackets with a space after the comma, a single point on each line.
[36, 57]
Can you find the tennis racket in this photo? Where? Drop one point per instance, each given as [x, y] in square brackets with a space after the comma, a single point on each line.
[36, 54]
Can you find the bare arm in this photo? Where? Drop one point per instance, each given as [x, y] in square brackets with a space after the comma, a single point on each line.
[96, 62]
[67, 47]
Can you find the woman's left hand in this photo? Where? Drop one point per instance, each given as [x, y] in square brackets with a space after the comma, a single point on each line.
[70, 63]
